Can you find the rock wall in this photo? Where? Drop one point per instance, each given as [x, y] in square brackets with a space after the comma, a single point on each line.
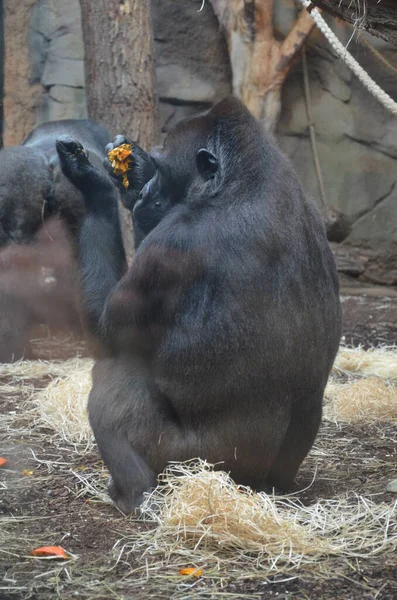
[192, 61]
[57, 59]
[356, 143]
[356, 137]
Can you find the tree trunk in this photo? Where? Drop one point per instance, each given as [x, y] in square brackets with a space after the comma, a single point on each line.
[259, 62]
[20, 97]
[120, 74]
[378, 17]
[1, 72]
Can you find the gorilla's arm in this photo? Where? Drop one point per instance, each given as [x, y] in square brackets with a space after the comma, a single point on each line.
[102, 264]
[123, 312]
[102, 258]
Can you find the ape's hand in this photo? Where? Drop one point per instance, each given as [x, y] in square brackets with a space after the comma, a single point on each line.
[73, 158]
[134, 173]
[97, 188]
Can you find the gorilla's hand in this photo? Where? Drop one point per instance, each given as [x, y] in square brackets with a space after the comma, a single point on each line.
[118, 141]
[94, 183]
[140, 172]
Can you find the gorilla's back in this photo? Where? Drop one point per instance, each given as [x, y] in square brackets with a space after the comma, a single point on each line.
[93, 136]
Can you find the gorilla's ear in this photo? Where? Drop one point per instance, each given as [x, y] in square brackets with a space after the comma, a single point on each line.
[207, 163]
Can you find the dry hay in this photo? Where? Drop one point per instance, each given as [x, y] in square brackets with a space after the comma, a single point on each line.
[38, 369]
[203, 518]
[62, 405]
[361, 401]
[59, 405]
[369, 394]
[374, 362]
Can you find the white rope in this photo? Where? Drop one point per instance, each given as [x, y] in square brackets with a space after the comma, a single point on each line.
[351, 62]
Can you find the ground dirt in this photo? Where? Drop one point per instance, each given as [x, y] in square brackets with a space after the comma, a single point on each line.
[44, 505]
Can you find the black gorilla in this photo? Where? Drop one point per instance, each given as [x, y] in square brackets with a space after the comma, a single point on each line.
[219, 339]
[40, 213]
[32, 186]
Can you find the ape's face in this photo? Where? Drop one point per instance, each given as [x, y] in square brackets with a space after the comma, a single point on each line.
[184, 169]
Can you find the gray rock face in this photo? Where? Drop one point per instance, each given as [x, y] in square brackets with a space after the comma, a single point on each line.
[192, 62]
[57, 59]
[356, 143]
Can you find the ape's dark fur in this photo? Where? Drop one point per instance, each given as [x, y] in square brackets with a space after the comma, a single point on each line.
[33, 191]
[218, 340]
[32, 185]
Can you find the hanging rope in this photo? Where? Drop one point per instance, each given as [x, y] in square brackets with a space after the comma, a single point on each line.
[351, 62]
[312, 130]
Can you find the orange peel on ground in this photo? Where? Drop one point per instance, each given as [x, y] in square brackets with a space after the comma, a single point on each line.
[3, 462]
[120, 159]
[191, 571]
[49, 552]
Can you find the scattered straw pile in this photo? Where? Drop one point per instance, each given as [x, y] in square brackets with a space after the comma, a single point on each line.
[202, 517]
[361, 400]
[38, 369]
[370, 393]
[62, 405]
[375, 362]
[206, 509]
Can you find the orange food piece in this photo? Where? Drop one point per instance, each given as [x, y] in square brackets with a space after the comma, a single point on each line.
[191, 571]
[120, 159]
[3, 462]
[54, 551]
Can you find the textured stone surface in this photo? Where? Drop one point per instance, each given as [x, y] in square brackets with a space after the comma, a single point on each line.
[356, 144]
[191, 58]
[57, 59]
[61, 102]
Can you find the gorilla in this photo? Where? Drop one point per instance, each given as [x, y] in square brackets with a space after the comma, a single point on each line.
[32, 186]
[40, 214]
[218, 340]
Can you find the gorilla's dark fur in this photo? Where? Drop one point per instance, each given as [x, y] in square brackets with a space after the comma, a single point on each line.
[32, 185]
[40, 213]
[218, 340]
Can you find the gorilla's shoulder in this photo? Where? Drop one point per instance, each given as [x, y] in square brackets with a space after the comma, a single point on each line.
[91, 134]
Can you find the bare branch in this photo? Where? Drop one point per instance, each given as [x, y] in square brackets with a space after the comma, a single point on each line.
[264, 20]
[295, 39]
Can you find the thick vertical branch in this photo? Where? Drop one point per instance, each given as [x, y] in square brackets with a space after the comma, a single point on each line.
[20, 97]
[296, 38]
[1, 72]
[120, 67]
[259, 62]
[120, 73]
